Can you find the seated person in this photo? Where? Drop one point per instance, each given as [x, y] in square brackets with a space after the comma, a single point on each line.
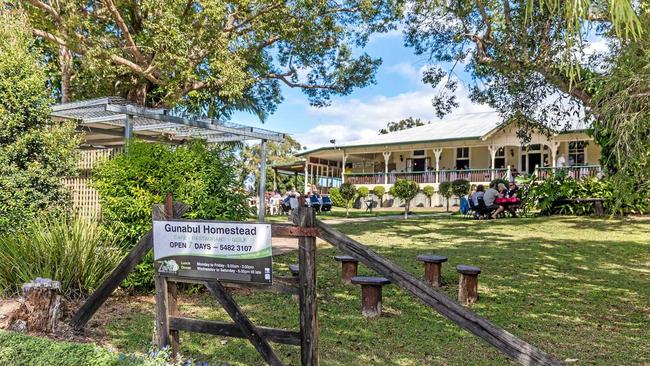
[480, 192]
[512, 190]
[490, 198]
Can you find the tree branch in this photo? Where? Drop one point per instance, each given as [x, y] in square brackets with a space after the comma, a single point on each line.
[55, 39]
[291, 84]
[50, 10]
[563, 85]
[136, 68]
[125, 33]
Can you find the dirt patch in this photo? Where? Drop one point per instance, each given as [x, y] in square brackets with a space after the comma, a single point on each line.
[120, 305]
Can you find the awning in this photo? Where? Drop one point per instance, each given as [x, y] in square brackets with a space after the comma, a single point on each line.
[110, 121]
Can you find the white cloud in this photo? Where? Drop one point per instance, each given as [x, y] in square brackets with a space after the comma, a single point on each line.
[407, 70]
[353, 119]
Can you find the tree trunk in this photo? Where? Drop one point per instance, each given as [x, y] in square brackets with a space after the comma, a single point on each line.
[138, 94]
[406, 210]
[40, 310]
[65, 65]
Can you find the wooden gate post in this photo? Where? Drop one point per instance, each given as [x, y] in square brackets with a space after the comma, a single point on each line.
[166, 296]
[308, 304]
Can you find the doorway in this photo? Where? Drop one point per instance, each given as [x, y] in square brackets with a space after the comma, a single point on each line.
[534, 159]
[419, 165]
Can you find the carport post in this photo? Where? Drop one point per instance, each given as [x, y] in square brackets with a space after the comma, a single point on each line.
[128, 131]
[262, 184]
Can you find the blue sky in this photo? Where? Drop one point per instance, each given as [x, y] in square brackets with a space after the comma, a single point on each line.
[399, 93]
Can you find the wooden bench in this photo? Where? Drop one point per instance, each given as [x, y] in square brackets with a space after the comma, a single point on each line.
[468, 284]
[432, 268]
[599, 210]
[349, 266]
[370, 294]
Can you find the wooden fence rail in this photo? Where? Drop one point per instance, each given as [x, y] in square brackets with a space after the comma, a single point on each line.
[519, 350]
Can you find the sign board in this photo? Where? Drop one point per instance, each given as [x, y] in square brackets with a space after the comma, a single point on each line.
[232, 251]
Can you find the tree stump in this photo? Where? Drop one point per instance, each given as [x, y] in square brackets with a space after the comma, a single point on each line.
[41, 305]
[468, 284]
[349, 267]
[432, 268]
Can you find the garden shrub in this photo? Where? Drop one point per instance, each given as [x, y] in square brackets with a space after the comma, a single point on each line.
[445, 189]
[541, 195]
[35, 152]
[335, 196]
[363, 192]
[348, 191]
[379, 191]
[460, 187]
[204, 177]
[429, 191]
[72, 250]
[405, 189]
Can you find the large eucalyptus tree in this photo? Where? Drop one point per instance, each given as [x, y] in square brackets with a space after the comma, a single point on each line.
[211, 56]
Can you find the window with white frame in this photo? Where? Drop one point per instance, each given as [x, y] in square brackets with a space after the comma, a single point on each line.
[500, 159]
[462, 158]
[577, 152]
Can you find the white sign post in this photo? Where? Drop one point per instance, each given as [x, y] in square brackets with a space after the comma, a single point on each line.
[210, 250]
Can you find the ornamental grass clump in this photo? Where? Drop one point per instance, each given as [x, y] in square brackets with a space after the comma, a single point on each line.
[72, 250]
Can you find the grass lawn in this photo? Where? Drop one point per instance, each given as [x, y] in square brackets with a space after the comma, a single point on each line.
[578, 288]
[339, 213]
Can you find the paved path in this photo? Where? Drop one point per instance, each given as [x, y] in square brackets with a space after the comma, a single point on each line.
[286, 245]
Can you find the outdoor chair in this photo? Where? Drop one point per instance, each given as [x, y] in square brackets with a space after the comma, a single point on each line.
[473, 210]
[314, 203]
[483, 211]
[327, 204]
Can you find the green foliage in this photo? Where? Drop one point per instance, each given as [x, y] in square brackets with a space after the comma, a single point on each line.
[429, 191]
[624, 118]
[446, 190]
[347, 191]
[405, 189]
[335, 196]
[203, 177]
[402, 125]
[20, 350]
[276, 153]
[35, 152]
[73, 250]
[543, 194]
[460, 187]
[379, 191]
[363, 192]
[215, 57]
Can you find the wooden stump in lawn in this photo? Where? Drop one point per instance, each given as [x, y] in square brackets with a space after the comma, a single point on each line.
[349, 267]
[370, 294]
[40, 310]
[467, 284]
[432, 268]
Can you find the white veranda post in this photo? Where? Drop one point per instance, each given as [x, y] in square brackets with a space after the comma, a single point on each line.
[493, 156]
[345, 158]
[262, 183]
[554, 145]
[386, 155]
[437, 152]
[306, 183]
